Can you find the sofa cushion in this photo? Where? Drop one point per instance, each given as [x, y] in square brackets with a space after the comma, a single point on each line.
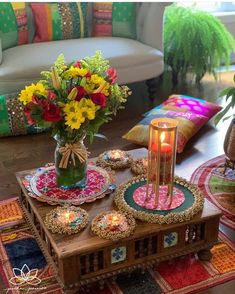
[114, 19]
[133, 60]
[188, 125]
[13, 24]
[183, 103]
[60, 21]
[195, 105]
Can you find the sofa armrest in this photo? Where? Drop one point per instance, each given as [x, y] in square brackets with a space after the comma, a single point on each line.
[149, 23]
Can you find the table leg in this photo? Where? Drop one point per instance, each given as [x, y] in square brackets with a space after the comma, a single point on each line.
[205, 254]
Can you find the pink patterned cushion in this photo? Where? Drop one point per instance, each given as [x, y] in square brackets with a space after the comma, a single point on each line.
[194, 105]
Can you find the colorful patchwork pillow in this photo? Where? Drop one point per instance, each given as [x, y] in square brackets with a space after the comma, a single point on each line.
[59, 21]
[12, 118]
[188, 124]
[195, 105]
[13, 24]
[117, 19]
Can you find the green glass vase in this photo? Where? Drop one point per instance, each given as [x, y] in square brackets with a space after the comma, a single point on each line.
[74, 174]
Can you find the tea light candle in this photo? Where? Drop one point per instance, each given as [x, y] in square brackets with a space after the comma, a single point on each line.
[66, 220]
[116, 159]
[113, 225]
[66, 217]
[116, 155]
[114, 221]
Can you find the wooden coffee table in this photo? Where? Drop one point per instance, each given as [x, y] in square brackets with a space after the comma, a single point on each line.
[83, 258]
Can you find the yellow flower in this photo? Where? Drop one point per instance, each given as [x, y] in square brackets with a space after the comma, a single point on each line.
[87, 108]
[89, 88]
[87, 112]
[96, 79]
[73, 120]
[40, 89]
[27, 94]
[71, 107]
[74, 72]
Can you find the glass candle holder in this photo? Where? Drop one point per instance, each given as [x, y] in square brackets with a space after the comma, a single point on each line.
[161, 158]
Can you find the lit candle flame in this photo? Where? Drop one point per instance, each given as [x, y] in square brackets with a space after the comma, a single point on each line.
[162, 137]
[67, 215]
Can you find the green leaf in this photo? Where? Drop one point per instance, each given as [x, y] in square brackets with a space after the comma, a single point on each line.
[101, 136]
[83, 82]
[225, 91]
[227, 117]
[222, 114]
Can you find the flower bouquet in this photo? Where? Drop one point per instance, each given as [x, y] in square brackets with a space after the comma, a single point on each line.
[74, 100]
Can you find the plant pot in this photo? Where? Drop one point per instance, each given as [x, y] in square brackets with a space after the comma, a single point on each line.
[71, 171]
[229, 142]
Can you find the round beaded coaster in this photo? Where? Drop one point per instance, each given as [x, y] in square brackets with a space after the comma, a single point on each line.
[139, 166]
[188, 200]
[113, 225]
[66, 220]
[115, 159]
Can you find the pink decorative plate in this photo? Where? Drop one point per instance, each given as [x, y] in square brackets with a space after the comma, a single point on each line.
[44, 187]
[139, 197]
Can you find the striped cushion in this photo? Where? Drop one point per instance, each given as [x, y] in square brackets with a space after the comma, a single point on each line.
[12, 117]
[114, 19]
[13, 24]
[59, 21]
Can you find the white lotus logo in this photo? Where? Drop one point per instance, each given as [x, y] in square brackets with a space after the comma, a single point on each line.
[25, 275]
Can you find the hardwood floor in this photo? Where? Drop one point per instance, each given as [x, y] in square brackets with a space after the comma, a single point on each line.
[25, 152]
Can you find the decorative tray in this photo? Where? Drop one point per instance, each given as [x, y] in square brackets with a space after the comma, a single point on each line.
[42, 186]
[187, 201]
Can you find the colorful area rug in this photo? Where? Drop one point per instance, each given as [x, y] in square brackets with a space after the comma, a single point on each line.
[218, 187]
[23, 268]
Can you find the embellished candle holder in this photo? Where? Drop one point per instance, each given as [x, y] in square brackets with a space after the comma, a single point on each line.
[139, 166]
[66, 220]
[161, 159]
[115, 159]
[113, 225]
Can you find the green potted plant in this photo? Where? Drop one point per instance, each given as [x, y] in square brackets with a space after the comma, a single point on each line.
[229, 142]
[229, 94]
[195, 42]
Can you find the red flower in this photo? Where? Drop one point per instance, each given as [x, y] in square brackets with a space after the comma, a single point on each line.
[99, 99]
[112, 75]
[39, 102]
[88, 75]
[77, 64]
[81, 93]
[52, 113]
[51, 95]
[28, 110]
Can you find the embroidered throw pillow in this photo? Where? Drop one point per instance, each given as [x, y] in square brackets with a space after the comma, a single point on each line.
[12, 117]
[188, 125]
[59, 21]
[102, 19]
[117, 19]
[195, 105]
[13, 24]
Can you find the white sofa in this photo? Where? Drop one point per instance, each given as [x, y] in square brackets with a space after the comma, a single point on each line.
[135, 60]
